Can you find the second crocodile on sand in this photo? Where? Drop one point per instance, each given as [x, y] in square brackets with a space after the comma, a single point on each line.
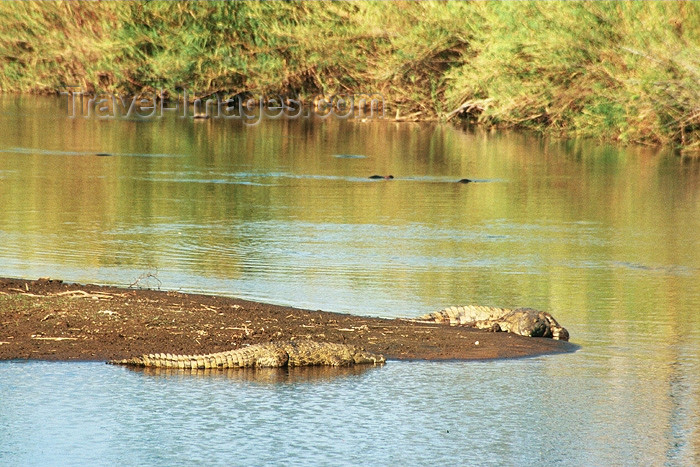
[523, 321]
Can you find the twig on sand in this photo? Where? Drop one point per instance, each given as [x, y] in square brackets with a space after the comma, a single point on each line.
[84, 294]
[39, 338]
[145, 277]
[22, 292]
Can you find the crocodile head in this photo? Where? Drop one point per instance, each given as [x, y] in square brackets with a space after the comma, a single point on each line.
[559, 332]
[534, 323]
[363, 357]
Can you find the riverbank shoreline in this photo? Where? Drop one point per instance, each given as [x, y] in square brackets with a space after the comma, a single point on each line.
[564, 69]
[49, 319]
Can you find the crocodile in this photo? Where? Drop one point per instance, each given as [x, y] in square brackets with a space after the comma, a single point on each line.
[523, 321]
[270, 355]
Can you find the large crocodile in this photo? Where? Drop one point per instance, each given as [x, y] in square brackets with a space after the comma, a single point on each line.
[523, 321]
[274, 354]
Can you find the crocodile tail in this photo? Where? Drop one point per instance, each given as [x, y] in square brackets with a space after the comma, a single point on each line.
[136, 361]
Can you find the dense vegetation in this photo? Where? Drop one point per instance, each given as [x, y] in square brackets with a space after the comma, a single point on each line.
[623, 71]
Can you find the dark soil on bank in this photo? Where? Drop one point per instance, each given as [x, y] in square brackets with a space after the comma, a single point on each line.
[52, 320]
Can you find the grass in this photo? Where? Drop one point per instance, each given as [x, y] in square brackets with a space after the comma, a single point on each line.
[618, 71]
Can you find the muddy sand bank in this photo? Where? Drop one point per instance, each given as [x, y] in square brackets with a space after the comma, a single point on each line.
[54, 320]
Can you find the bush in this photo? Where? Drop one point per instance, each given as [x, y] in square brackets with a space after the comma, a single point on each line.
[624, 71]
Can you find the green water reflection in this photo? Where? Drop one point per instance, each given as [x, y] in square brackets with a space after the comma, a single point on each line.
[566, 226]
[607, 239]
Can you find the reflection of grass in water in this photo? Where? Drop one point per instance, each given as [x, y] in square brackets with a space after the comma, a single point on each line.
[623, 71]
[53, 152]
[307, 374]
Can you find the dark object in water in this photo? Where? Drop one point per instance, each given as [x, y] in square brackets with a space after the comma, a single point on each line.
[103, 154]
[381, 177]
[465, 180]
[349, 156]
[201, 116]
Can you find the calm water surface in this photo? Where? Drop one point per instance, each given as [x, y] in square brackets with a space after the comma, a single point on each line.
[607, 239]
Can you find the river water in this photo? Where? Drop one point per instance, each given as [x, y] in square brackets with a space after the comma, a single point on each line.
[607, 239]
